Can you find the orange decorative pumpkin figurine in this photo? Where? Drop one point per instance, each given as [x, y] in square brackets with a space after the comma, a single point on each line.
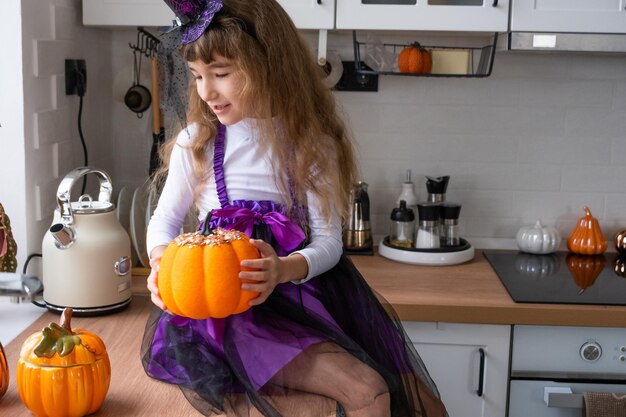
[4, 372]
[63, 372]
[199, 274]
[415, 59]
[587, 237]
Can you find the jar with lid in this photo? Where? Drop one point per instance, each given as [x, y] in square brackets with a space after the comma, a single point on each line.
[427, 236]
[450, 224]
[402, 226]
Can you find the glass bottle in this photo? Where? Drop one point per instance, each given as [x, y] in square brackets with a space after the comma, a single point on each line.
[402, 226]
[428, 230]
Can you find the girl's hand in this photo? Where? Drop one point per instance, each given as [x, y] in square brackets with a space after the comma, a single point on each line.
[155, 262]
[269, 272]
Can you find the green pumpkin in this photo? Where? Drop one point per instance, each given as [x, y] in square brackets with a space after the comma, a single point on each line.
[8, 247]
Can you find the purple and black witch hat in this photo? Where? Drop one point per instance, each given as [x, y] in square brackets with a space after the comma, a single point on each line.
[194, 16]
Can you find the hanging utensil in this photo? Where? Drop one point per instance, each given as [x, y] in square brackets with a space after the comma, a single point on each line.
[158, 129]
[137, 97]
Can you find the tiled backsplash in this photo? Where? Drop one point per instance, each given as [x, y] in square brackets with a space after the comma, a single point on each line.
[540, 138]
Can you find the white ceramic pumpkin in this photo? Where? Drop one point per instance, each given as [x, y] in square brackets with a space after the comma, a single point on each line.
[538, 239]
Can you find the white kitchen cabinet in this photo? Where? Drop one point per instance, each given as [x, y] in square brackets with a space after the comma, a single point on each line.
[311, 14]
[452, 354]
[579, 16]
[306, 14]
[424, 15]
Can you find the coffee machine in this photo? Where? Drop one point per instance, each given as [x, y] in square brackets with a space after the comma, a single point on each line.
[357, 233]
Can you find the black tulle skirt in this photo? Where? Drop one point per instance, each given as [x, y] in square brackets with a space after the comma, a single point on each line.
[236, 366]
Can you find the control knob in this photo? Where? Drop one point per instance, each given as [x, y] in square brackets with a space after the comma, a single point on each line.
[590, 351]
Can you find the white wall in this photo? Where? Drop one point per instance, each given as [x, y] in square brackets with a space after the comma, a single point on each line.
[12, 169]
[42, 137]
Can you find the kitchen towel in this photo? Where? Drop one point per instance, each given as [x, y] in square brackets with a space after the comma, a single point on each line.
[604, 404]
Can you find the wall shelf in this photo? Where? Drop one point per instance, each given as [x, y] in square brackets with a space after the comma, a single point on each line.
[479, 59]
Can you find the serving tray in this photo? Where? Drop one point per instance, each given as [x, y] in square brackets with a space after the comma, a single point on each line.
[452, 255]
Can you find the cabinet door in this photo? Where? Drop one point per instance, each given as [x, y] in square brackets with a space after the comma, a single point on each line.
[306, 14]
[427, 15]
[311, 14]
[452, 354]
[584, 16]
[127, 13]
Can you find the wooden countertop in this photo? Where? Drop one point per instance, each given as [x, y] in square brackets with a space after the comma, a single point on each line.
[470, 293]
[466, 293]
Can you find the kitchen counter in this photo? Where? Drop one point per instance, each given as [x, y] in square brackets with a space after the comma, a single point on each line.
[466, 293]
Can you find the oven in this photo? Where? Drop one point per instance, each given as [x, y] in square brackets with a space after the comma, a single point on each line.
[552, 367]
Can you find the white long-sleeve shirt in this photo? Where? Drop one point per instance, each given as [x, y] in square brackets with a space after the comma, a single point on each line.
[248, 175]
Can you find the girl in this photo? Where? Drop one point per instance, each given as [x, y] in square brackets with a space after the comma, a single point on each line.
[264, 139]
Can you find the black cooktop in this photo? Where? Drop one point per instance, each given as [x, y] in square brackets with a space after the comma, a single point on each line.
[560, 278]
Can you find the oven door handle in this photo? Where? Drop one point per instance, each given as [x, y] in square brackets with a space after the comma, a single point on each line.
[556, 398]
[481, 375]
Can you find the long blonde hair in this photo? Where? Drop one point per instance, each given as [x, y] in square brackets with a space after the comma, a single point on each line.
[297, 115]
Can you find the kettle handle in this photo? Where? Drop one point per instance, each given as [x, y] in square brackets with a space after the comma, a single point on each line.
[65, 187]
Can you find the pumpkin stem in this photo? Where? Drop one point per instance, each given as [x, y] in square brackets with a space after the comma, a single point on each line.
[206, 229]
[66, 319]
[58, 338]
[587, 211]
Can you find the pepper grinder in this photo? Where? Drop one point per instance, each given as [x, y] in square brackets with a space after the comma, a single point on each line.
[450, 224]
[402, 226]
[437, 187]
[428, 229]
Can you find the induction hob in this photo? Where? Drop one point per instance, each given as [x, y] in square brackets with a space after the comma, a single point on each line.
[559, 278]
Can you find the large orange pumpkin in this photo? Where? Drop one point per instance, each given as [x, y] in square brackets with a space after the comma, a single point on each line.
[415, 59]
[4, 372]
[63, 372]
[199, 274]
[587, 237]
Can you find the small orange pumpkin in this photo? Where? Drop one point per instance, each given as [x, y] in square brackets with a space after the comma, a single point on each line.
[415, 59]
[585, 269]
[4, 372]
[199, 274]
[587, 237]
[63, 372]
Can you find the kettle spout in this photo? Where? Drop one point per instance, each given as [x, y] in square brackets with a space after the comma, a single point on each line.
[64, 236]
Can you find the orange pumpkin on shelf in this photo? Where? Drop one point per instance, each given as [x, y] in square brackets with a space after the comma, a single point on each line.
[199, 274]
[587, 237]
[4, 372]
[415, 59]
[585, 269]
[63, 372]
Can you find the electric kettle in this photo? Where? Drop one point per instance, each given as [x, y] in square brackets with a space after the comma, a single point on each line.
[86, 259]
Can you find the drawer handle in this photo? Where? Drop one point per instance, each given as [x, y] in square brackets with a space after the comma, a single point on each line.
[495, 3]
[481, 375]
[320, 1]
[562, 397]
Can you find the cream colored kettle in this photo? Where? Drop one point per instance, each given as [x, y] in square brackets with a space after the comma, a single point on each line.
[86, 261]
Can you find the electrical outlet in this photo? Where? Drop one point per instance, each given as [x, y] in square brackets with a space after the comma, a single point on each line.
[75, 77]
[353, 81]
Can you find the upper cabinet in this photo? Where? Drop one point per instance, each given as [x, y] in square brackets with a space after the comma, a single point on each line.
[126, 13]
[306, 14]
[580, 16]
[311, 14]
[424, 15]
